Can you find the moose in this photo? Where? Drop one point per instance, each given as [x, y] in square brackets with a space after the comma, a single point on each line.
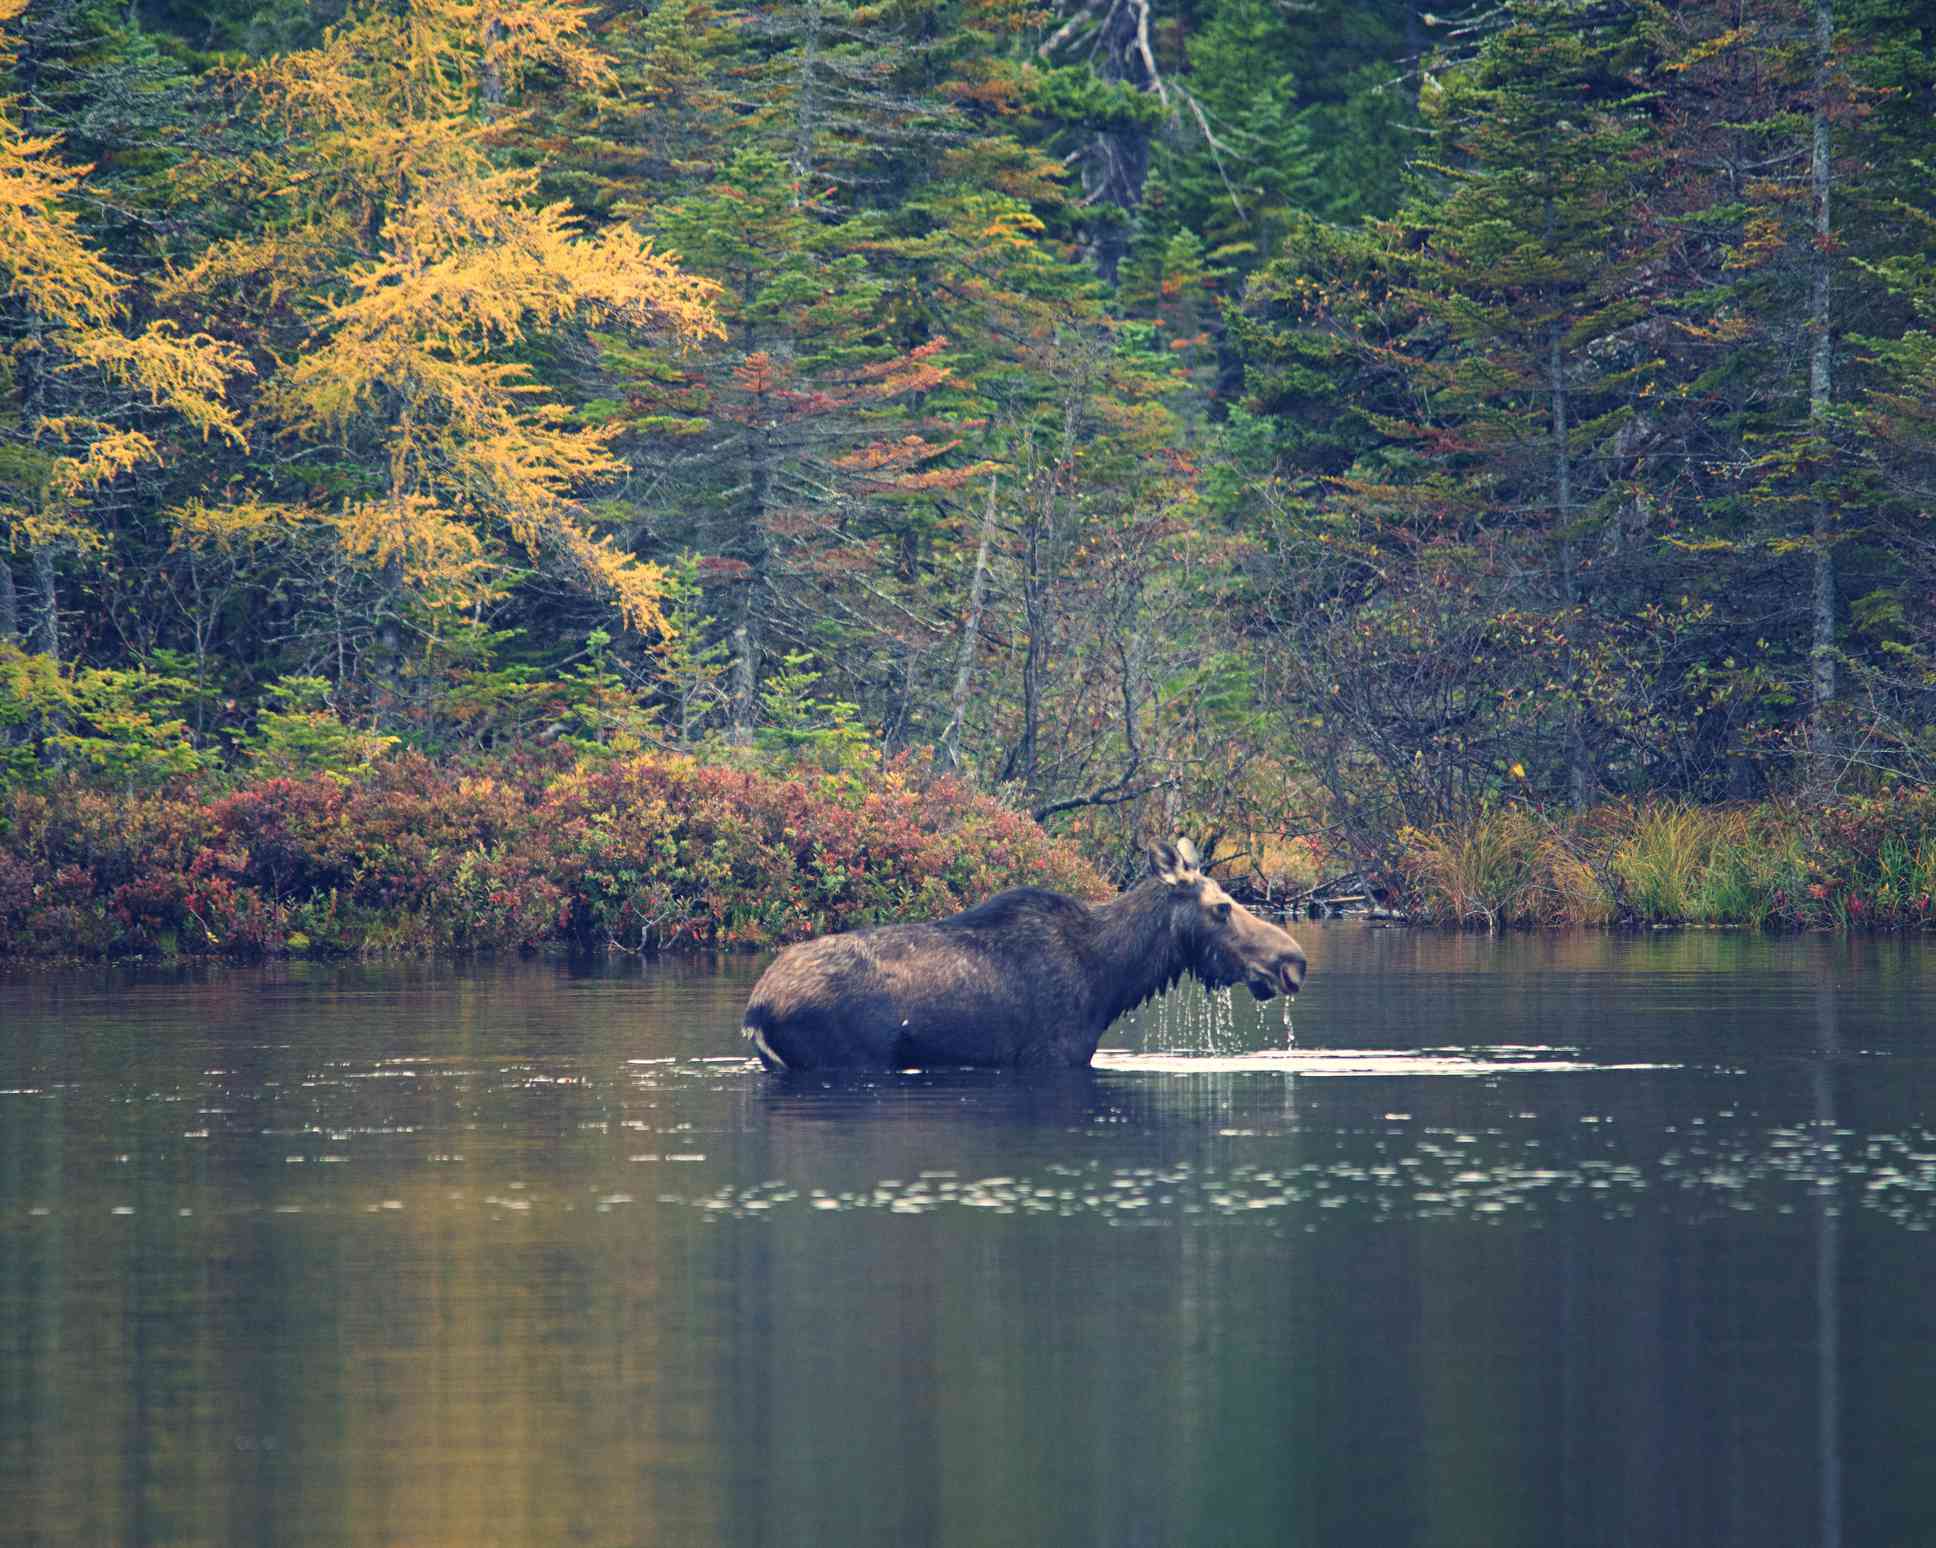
[1029, 978]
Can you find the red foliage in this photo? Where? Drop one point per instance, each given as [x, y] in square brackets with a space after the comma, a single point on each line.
[648, 854]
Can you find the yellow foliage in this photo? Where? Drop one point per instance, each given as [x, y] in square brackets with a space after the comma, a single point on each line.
[1016, 228]
[268, 270]
[471, 270]
[187, 373]
[1762, 237]
[518, 35]
[75, 300]
[459, 263]
[44, 257]
[443, 557]
[1702, 52]
[392, 93]
[32, 526]
[109, 451]
[245, 522]
[632, 586]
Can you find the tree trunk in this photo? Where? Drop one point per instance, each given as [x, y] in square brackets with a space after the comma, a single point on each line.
[804, 127]
[1822, 597]
[40, 559]
[1039, 580]
[743, 680]
[1579, 770]
[389, 636]
[748, 636]
[965, 661]
[1021, 762]
[1118, 166]
[47, 635]
[9, 605]
[490, 85]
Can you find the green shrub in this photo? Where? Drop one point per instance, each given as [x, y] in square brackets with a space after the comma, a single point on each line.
[303, 735]
[1664, 861]
[800, 728]
[118, 728]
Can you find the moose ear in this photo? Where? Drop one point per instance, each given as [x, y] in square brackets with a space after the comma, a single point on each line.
[1175, 862]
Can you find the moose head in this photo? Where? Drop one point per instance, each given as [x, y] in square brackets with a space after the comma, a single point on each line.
[1222, 941]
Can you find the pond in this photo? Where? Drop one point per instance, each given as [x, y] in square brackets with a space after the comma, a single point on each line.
[1545, 1240]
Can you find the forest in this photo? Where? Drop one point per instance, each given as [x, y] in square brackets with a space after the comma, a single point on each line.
[1492, 450]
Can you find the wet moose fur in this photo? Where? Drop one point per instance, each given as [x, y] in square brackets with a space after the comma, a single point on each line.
[1029, 977]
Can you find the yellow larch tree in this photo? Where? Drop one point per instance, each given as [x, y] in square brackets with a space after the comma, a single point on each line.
[411, 351]
[80, 376]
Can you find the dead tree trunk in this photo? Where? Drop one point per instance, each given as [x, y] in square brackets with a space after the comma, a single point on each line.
[1822, 591]
[47, 630]
[1579, 770]
[970, 630]
[1117, 38]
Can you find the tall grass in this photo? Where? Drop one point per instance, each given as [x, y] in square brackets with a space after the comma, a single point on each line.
[1665, 860]
[1904, 880]
[1511, 867]
[1710, 865]
[1863, 863]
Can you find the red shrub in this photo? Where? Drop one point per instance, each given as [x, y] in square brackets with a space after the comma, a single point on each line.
[652, 853]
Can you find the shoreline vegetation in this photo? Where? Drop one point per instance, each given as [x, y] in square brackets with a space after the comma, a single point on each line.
[666, 852]
[1855, 863]
[643, 854]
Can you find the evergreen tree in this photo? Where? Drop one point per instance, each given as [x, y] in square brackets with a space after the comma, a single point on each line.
[1773, 170]
[1467, 577]
[789, 449]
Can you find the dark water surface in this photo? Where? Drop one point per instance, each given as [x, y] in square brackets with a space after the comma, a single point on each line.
[1578, 1240]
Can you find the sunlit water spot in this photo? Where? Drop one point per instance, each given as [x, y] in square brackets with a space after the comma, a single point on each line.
[1358, 1061]
[1204, 1057]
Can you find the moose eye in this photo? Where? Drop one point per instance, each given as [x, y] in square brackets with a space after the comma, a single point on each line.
[1222, 911]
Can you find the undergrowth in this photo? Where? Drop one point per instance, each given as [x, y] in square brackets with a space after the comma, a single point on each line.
[1865, 862]
[640, 854]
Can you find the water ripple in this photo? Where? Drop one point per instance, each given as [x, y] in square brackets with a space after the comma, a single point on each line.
[1443, 1174]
